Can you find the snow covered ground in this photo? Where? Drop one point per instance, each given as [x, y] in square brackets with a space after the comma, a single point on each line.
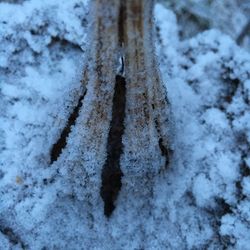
[201, 202]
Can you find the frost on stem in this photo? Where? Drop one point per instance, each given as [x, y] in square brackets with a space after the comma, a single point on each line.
[138, 136]
[125, 120]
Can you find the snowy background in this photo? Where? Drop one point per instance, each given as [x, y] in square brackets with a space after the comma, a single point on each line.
[202, 202]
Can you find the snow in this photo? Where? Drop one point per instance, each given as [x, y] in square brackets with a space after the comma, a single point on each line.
[201, 201]
[195, 16]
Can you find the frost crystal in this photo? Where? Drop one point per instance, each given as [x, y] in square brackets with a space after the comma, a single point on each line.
[202, 201]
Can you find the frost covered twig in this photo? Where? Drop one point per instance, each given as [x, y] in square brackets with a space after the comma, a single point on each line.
[126, 112]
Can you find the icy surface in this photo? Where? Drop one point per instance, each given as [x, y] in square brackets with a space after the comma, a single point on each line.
[203, 199]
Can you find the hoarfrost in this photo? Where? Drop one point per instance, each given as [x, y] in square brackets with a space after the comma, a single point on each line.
[202, 201]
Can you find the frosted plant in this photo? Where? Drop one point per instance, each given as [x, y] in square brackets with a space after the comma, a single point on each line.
[126, 111]
[202, 202]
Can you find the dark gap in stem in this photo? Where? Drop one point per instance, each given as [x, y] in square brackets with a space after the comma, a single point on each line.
[111, 172]
[166, 151]
[62, 141]
[121, 23]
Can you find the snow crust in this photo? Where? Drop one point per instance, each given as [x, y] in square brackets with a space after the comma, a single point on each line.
[201, 202]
